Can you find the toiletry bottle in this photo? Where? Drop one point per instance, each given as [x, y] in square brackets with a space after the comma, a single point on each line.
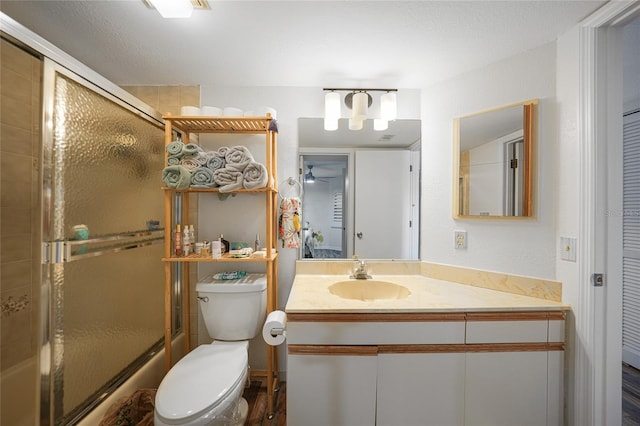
[192, 237]
[178, 241]
[186, 241]
[256, 244]
[224, 244]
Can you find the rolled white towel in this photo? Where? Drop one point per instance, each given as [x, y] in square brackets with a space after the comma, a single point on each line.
[255, 176]
[238, 157]
[228, 180]
[222, 151]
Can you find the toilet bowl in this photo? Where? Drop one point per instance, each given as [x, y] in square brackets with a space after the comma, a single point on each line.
[205, 387]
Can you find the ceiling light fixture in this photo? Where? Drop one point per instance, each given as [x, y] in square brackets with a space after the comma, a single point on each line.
[309, 177]
[173, 8]
[359, 101]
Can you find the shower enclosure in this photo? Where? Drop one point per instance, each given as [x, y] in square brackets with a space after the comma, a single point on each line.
[102, 298]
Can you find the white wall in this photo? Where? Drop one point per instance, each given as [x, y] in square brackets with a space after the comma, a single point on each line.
[524, 247]
[568, 185]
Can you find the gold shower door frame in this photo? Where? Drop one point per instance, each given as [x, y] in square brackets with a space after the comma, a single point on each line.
[97, 271]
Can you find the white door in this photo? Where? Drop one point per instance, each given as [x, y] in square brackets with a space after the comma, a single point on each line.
[383, 205]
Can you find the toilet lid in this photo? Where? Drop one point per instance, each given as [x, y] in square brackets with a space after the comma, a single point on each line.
[200, 380]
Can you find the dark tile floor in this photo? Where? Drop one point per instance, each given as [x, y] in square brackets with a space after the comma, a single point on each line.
[630, 396]
[256, 396]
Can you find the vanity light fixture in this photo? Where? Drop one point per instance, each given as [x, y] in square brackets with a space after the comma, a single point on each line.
[359, 101]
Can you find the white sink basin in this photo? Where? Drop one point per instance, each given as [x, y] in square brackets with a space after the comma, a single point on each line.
[368, 290]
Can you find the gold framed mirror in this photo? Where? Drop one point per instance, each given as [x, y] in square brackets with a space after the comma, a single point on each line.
[493, 162]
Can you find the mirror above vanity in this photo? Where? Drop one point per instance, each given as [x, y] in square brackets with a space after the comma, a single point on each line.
[493, 160]
[360, 190]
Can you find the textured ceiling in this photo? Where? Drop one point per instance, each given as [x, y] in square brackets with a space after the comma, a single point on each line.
[297, 43]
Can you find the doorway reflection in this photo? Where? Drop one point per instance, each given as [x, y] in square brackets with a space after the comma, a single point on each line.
[324, 206]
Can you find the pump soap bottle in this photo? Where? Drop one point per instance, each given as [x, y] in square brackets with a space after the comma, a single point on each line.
[186, 241]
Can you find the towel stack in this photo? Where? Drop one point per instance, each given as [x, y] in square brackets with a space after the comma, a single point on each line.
[229, 168]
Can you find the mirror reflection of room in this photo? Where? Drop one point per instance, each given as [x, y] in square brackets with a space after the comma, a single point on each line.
[361, 190]
[494, 154]
[323, 207]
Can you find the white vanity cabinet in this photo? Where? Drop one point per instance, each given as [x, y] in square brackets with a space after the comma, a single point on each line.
[365, 369]
[420, 389]
[500, 368]
[514, 369]
[506, 388]
[332, 386]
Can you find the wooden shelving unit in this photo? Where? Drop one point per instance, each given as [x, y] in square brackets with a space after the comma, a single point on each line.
[226, 125]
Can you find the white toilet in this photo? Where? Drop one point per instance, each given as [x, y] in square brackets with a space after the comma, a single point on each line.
[205, 387]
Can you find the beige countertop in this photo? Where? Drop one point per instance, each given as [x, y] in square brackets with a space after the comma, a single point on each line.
[310, 293]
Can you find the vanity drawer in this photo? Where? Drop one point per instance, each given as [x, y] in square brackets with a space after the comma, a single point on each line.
[375, 333]
[507, 331]
[524, 327]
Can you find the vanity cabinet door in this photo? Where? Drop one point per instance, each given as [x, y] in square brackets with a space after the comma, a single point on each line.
[420, 389]
[336, 390]
[506, 388]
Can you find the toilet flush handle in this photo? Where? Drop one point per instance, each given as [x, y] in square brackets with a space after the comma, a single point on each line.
[203, 298]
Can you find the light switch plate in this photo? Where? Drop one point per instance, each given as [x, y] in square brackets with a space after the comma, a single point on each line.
[568, 247]
[460, 239]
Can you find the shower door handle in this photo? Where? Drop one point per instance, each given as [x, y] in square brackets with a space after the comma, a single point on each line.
[69, 250]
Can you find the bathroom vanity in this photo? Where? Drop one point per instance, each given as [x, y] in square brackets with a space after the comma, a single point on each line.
[447, 353]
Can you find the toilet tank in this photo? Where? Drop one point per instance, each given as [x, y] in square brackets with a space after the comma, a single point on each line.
[233, 309]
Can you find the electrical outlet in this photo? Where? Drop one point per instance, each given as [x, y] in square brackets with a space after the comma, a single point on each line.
[460, 239]
[568, 249]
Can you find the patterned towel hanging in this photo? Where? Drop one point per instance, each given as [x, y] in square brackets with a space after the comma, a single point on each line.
[289, 222]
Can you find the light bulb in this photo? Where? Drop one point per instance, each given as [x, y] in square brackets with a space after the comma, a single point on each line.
[388, 106]
[355, 124]
[359, 106]
[380, 124]
[332, 105]
[330, 124]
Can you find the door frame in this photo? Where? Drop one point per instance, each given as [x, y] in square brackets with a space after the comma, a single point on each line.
[597, 398]
[348, 195]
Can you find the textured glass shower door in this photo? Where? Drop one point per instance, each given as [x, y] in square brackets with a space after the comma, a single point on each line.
[102, 168]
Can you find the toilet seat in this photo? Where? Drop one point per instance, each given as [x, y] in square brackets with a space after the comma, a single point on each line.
[201, 381]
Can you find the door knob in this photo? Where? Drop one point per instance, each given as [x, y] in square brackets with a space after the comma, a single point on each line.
[359, 235]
